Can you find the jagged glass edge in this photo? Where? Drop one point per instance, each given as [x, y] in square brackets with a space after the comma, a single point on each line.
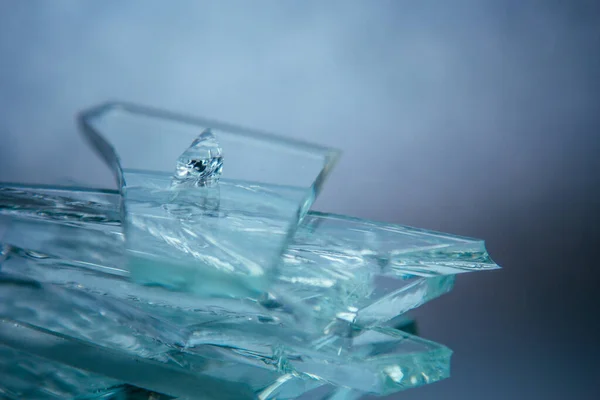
[109, 154]
[68, 312]
[104, 212]
[377, 311]
[189, 310]
[63, 216]
[103, 216]
[416, 363]
[128, 327]
[478, 261]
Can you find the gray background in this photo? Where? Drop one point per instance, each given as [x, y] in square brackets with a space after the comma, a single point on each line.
[478, 118]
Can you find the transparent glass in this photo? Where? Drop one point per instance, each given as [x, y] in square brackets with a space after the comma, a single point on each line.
[135, 137]
[337, 274]
[216, 240]
[60, 273]
[245, 294]
[112, 339]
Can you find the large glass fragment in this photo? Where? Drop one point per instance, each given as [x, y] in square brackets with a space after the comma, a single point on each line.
[249, 191]
[338, 272]
[217, 241]
[76, 328]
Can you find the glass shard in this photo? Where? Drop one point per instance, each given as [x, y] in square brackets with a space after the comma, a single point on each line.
[377, 360]
[201, 164]
[211, 235]
[74, 327]
[149, 322]
[330, 279]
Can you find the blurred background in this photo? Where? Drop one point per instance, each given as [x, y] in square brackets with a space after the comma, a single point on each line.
[479, 118]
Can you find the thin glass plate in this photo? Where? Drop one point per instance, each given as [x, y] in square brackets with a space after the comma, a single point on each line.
[151, 321]
[216, 240]
[115, 339]
[338, 272]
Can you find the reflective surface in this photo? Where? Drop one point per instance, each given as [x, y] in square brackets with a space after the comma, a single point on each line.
[61, 274]
[201, 164]
[337, 270]
[195, 237]
[482, 123]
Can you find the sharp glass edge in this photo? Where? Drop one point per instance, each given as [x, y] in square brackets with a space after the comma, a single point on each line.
[107, 236]
[256, 272]
[15, 209]
[74, 205]
[131, 327]
[392, 372]
[105, 149]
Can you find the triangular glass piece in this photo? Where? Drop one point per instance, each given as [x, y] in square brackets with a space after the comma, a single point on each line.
[201, 164]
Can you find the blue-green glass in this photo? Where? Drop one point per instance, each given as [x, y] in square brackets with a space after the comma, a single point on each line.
[210, 240]
[213, 241]
[338, 272]
[222, 363]
[88, 297]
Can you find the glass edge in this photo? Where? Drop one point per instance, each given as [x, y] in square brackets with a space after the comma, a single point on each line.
[106, 150]
[342, 217]
[98, 142]
[109, 106]
[492, 265]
